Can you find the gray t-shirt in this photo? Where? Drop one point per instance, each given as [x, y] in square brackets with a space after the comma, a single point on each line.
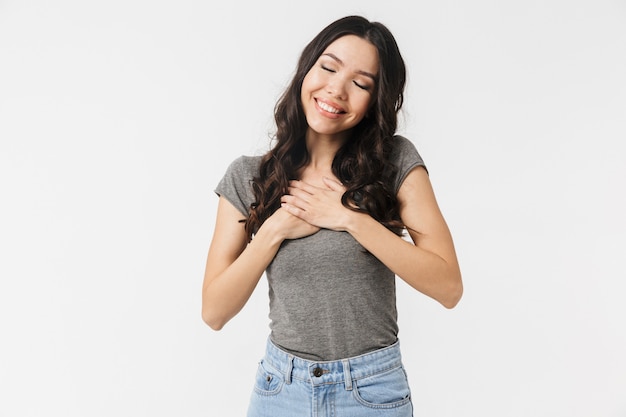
[329, 298]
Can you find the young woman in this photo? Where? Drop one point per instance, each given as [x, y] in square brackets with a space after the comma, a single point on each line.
[324, 214]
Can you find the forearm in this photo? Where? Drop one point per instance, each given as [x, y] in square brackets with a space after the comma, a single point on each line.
[424, 270]
[227, 292]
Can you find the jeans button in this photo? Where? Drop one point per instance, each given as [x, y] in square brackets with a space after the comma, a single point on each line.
[318, 372]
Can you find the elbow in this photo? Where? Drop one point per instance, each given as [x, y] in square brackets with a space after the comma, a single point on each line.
[451, 302]
[212, 320]
[453, 295]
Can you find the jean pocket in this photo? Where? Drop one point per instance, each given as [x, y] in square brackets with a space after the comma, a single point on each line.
[388, 389]
[268, 380]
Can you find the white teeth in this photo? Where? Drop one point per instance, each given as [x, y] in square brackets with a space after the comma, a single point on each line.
[328, 108]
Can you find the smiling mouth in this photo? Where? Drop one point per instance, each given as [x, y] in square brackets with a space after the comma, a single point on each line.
[328, 108]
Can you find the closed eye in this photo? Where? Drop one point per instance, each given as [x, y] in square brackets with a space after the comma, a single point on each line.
[327, 69]
[362, 86]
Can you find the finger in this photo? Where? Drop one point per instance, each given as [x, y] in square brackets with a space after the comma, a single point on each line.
[299, 193]
[288, 199]
[292, 209]
[301, 185]
[332, 184]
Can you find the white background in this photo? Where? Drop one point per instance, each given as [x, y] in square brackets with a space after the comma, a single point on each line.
[118, 118]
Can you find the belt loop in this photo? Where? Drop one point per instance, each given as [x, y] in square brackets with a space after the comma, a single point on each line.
[289, 369]
[346, 374]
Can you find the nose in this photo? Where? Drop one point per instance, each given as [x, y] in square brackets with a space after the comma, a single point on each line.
[336, 87]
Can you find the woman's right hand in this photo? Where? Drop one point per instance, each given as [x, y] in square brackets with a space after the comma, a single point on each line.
[288, 226]
[234, 265]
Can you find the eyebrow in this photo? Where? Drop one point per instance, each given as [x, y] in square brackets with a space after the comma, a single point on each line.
[367, 74]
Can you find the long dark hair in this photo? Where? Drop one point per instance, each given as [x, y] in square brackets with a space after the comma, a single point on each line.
[362, 164]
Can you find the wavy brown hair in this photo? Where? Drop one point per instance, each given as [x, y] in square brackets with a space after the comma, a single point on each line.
[362, 163]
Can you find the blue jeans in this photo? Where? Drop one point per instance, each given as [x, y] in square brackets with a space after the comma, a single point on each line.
[373, 384]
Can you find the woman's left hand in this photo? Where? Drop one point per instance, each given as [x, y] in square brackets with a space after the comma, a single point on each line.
[320, 207]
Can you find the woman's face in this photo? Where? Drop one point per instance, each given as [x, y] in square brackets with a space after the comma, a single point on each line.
[337, 91]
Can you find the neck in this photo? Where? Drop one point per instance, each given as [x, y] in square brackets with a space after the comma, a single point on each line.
[323, 148]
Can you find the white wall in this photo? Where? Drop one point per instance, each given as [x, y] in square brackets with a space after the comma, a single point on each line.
[118, 118]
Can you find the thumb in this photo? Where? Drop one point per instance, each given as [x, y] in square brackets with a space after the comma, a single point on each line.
[332, 184]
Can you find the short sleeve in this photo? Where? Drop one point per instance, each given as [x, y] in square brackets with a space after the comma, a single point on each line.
[236, 184]
[406, 157]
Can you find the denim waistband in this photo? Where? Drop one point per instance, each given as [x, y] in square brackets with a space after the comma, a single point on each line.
[332, 372]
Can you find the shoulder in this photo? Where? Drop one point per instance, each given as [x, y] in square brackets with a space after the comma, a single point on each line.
[236, 184]
[405, 157]
[402, 142]
[244, 166]
[403, 148]
[239, 174]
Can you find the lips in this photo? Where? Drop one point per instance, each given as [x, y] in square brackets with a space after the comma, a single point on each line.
[329, 108]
